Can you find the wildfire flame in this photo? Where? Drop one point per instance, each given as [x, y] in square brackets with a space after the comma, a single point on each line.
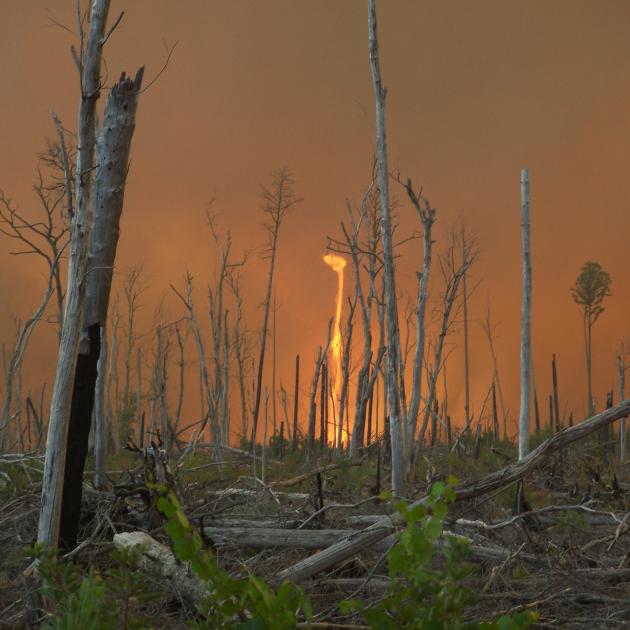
[337, 263]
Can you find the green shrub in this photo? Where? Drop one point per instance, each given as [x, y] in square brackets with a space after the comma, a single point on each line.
[421, 596]
[230, 602]
[92, 601]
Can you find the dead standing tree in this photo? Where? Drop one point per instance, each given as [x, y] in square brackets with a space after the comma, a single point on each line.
[56, 447]
[453, 272]
[241, 348]
[133, 288]
[427, 217]
[526, 319]
[112, 166]
[211, 407]
[488, 330]
[391, 308]
[95, 231]
[219, 324]
[319, 362]
[46, 234]
[278, 201]
[23, 335]
[365, 298]
[345, 376]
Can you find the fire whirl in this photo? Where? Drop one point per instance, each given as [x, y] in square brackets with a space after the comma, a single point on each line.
[337, 264]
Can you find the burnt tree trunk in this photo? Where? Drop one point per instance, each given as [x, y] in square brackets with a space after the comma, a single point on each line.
[112, 160]
[80, 226]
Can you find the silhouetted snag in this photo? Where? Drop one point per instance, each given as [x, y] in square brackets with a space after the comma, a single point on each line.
[321, 357]
[604, 433]
[465, 308]
[369, 420]
[526, 316]
[323, 405]
[556, 398]
[621, 374]
[536, 410]
[495, 416]
[277, 203]
[345, 381]
[296, 394]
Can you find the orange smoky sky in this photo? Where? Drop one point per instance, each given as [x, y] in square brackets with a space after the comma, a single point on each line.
[476, 91]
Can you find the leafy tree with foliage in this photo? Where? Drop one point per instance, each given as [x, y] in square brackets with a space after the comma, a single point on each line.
[591, 288]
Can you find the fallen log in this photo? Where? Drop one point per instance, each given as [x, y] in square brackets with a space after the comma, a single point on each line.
[264, 538]
[245, 522]
[347, 547]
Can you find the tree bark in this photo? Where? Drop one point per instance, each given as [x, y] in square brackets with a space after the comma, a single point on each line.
[99, 412]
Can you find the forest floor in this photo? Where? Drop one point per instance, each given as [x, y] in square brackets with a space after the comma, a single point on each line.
[567, 560]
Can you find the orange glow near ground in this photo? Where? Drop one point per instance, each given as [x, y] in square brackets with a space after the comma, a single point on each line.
[337, 264]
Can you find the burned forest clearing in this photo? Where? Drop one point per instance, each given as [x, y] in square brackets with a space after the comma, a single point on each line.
[328, 403]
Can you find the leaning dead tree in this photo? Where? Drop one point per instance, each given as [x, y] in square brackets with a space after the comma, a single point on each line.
[391, 308]
[526, 319]
[95, 233]
[386, 525]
